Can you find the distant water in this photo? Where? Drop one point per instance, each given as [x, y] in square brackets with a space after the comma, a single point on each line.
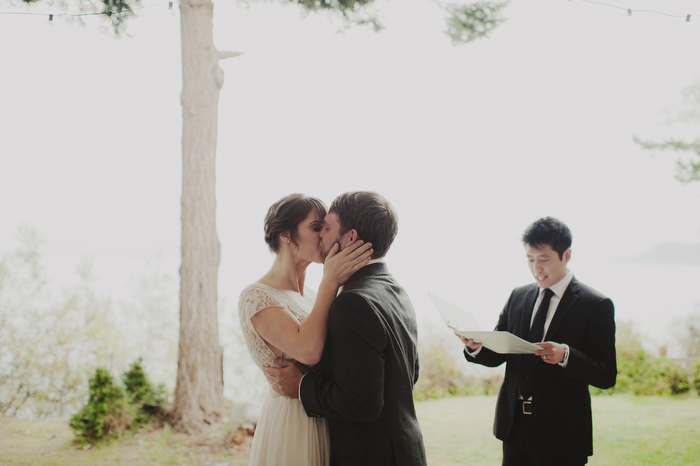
[654, 297]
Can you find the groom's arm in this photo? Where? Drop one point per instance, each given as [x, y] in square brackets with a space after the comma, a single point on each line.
[355, 342]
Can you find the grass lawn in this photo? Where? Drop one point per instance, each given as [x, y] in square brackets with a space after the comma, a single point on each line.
[628, 431]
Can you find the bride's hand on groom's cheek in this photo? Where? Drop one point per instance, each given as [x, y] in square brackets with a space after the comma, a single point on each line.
[341, 265]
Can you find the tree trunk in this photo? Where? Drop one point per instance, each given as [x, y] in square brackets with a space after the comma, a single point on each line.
[199, 389]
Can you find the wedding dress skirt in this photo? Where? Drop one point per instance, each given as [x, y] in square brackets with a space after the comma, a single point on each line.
[286, 436]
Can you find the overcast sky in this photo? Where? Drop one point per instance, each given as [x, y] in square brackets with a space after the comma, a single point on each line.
[471, 143]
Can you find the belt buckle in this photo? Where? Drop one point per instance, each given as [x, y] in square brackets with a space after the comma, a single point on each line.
[527, 407]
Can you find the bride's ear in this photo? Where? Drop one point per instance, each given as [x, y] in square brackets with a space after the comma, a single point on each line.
[285, 237]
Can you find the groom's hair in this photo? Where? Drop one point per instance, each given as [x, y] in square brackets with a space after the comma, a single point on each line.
[548, 231]
[371, 215]
[285, 216]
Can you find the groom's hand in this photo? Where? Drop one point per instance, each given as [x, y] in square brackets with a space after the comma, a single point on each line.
[285, 379]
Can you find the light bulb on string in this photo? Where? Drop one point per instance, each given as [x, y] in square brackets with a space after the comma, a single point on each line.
[687, 18]
[108, 19]
[48, 25]
[170, 8]
[629, 12]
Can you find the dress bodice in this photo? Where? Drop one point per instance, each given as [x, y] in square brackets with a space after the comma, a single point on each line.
[256, 297]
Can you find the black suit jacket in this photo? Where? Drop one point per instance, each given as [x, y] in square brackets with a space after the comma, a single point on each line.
[561, 402]
[368, 369]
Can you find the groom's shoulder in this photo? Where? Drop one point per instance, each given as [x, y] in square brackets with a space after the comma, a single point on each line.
[586, 291]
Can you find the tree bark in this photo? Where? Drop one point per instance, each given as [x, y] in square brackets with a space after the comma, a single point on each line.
[199, 388]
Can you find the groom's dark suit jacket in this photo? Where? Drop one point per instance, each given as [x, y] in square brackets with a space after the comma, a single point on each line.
[561, 402]
[368, 369]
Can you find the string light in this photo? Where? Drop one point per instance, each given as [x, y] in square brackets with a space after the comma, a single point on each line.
[49, 24]
[107, 20]
[630, 11]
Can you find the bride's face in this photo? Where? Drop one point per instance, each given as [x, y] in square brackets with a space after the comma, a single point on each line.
[308, 239]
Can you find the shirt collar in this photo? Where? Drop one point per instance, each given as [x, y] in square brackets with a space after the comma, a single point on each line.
[560, 287]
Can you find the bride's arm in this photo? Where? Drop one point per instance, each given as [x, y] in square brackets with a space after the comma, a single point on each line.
[304, 342]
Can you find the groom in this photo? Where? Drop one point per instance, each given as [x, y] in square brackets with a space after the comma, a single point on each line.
[370, 360]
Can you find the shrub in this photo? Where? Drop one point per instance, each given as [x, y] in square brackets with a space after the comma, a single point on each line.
[696, 375]
[106, 414]
[145, 400]
[445, 372]
[661, 376]
[642, 373]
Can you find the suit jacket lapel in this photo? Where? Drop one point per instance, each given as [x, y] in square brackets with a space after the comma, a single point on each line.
[571, 295]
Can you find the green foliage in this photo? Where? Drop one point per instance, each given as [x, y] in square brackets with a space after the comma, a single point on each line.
[641, 373]
[688, 168]
[111, 410]
[145, 400]
[443, 370]
[106, 414]
[50, 346]
[467, 23]
[696, 375]
[687, 171]
[353, 11]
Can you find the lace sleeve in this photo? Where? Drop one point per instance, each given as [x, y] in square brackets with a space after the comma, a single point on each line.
[254, 299]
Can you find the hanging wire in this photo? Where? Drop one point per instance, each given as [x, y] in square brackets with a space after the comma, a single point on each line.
[96, 13]
[630, 11]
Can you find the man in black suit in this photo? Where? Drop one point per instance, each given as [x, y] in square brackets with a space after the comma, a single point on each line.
[543, 412]
[370, 360]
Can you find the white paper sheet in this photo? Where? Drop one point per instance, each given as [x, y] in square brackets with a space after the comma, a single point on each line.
[462, 323]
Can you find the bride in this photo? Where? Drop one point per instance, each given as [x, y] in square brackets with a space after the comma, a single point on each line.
[281, 317]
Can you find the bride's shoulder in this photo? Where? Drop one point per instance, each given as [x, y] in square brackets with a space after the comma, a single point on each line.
[258, 289]
[258, 292]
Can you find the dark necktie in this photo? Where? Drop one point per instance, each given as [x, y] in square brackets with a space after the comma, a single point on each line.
[536, 333]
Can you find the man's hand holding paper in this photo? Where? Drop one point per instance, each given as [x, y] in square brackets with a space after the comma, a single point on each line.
[460, 321]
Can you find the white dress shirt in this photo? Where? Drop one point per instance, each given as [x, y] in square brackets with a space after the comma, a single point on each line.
[558, 289]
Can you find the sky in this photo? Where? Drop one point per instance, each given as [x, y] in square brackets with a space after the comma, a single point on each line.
[471, 143]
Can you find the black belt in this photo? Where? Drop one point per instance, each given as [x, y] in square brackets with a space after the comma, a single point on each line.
[525, 406]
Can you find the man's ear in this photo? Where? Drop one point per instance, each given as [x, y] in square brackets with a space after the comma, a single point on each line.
[349, 238]
[567, 255]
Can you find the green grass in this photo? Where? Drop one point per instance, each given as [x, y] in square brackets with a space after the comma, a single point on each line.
[52, 444]
[628, 431]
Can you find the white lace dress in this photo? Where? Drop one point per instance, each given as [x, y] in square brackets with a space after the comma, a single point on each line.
[285, 435]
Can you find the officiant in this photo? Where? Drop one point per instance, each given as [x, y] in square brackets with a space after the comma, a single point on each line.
[543, 412]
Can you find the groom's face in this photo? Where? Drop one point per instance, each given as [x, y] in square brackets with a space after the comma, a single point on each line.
[330, 234]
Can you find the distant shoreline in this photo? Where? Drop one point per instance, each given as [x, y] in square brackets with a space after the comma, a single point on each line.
[669, 253]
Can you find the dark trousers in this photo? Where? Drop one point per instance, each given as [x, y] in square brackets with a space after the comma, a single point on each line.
[519, 449]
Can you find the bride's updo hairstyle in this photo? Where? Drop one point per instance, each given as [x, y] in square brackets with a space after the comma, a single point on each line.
[286, 214]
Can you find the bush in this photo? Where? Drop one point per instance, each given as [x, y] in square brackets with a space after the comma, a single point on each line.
[444, 371]
[696, 375]
[642, 373]
[661, 376]
[106, 414]
[51, 343]
[145, 400]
